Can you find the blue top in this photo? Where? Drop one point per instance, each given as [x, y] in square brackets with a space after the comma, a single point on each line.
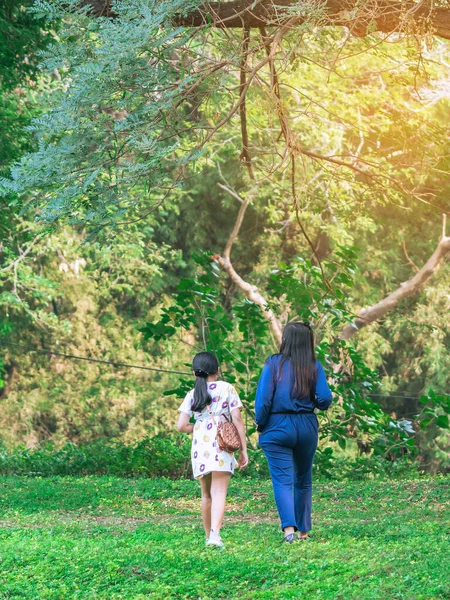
[271, 398]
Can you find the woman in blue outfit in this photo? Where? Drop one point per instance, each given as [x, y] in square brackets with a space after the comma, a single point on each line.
[291, 386]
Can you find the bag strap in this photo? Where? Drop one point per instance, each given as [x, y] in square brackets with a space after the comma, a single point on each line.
[211, 415]
[213, 418]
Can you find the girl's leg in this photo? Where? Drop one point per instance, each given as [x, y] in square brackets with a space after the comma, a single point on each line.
[205, 484]
[219, 487]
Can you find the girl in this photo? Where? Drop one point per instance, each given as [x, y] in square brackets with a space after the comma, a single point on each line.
[292, 384]
[208, 402]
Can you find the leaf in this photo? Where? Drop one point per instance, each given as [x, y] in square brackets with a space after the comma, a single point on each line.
[442, 421]
[342, 443]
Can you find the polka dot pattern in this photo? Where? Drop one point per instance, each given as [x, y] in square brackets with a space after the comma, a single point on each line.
[206, 456]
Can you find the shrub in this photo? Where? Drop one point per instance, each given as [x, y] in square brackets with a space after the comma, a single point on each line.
[169, 456]
[158, 456]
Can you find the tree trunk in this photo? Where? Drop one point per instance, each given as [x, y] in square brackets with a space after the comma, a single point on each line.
[361, 18]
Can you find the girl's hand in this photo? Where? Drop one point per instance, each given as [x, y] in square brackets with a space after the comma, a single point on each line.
[242, 460]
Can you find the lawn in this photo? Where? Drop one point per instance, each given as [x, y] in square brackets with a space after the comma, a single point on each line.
[111, 538]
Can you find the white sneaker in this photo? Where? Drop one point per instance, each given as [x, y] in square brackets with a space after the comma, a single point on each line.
[214, 540]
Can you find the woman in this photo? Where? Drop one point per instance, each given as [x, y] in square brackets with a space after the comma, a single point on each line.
[208, 402]
[292, 384]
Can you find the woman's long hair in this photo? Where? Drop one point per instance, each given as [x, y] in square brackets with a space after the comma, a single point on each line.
[204, 364]
[297, 345]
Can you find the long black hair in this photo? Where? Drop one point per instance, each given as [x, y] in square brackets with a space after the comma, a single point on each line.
[297, 345]
[204, 364]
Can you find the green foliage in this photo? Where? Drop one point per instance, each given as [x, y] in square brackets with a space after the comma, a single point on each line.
[167, 455]
[104, 68]
[240, 339]
[151, 457]
[21, 34]
[122, 110]
[105, 537]
[437, 409]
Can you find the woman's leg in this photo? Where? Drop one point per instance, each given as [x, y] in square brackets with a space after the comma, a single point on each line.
[205, 484]
[219, 488]
[280, 467]
[303, 459]
[277, 442]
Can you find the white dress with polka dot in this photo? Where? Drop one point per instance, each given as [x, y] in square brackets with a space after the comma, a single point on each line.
[205, 454]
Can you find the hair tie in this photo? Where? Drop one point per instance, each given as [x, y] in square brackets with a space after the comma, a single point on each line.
[200, 373]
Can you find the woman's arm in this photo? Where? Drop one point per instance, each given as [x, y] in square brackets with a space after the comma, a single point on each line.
[240, 426]
[183, 423]
[264, 396]
[323, 392]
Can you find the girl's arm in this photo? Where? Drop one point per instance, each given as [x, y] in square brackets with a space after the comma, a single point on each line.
[183, 423]
[323, 392]
[240, 426]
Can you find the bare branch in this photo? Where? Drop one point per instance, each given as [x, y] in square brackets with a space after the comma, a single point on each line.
[231, 192]
[14, 264]
[387, 16]
[245, 154]
[237, 226]
[251, 291]
[253, 294]
[361, 18]
[408, 258]
[408, 288]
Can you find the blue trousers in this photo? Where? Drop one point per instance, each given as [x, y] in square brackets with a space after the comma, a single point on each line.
[289, 443]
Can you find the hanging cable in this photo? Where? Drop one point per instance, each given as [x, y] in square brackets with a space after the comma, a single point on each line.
[94, 360]
[156, 369]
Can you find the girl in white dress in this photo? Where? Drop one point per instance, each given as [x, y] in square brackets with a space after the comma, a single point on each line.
[207, 403]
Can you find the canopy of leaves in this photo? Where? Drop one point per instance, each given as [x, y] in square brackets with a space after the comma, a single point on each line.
[138, 146]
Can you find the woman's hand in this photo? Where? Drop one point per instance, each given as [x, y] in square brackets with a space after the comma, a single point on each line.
[242, 459]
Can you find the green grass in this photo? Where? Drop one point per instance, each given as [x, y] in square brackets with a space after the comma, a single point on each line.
[111, 538]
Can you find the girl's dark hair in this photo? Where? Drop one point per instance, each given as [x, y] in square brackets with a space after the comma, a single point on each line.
[204, 364]
[297, 345]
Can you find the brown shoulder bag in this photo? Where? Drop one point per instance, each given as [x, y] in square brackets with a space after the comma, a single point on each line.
[227, 435]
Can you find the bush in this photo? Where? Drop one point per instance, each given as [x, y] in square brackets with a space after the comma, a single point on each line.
[328, 466]
[158, 456]
[169, 456]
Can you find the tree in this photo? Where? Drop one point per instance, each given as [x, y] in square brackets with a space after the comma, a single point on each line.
[146, 106]
[361, 19]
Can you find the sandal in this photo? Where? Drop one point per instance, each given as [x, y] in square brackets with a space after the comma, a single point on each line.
[290, 538]
[305, 538]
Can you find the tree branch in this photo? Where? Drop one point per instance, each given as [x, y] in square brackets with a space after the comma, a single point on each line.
[373, 15]
[251, 291]
[253, 294]
[408, 288]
